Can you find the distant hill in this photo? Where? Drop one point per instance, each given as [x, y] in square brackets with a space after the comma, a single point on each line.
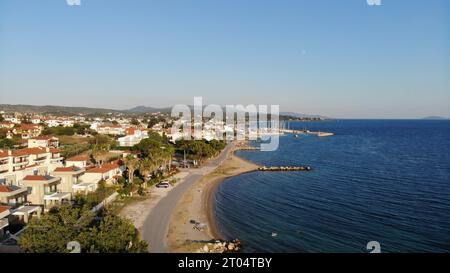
[65, 110]
[146, 109]
[52, 109]
[435, 117]
[298, 115]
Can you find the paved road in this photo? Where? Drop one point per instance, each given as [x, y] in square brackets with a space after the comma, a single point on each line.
[156, 226]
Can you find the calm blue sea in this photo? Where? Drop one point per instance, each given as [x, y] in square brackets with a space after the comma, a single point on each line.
[375, 180]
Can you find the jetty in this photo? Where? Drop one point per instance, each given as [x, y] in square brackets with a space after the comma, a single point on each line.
[306, 132]
[285, 169]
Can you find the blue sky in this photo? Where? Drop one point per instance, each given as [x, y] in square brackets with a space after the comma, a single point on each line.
[339, 58]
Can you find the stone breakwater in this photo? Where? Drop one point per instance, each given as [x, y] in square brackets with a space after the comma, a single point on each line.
[221, 247]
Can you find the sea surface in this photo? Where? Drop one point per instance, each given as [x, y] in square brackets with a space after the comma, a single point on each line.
[375, 180]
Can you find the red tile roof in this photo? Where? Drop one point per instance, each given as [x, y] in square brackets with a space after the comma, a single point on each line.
[29, 151]
[103, 169]
[37, 178]
[4, 188]
[67, 169]
[54, 151]
[4, 208]
[78, 158]
[27, 127]
[3, 153]
[130, 131]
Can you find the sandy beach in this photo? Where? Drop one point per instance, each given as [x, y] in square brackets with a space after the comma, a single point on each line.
[198, 204]
[163, 218]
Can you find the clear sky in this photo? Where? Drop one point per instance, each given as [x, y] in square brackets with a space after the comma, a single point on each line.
[340, 58]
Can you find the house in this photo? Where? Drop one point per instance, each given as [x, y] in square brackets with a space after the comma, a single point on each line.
[52, 122]
[27, 131]
[4, 222]
[16, 198]
[71, 180]
[108, 172]
[110, 129]
[13, 196]
[7, 125]
[36, 120]
[43, 141]
[67, 123]
[80, 161]
[44, 191]
[132, 138]
[14, 120]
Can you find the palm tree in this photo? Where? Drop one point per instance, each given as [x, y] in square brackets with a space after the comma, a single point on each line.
[100, 153]
[146, 167]
[132, 164]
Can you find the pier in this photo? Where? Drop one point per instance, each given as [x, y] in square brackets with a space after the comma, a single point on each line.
[306, 132]
[285, 169]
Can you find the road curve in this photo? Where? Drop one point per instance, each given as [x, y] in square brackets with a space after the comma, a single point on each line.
[156, 225]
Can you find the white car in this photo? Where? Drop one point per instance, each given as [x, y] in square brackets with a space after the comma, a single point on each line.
[163, 185]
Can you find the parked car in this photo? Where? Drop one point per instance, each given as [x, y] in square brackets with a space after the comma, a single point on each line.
[163, 185]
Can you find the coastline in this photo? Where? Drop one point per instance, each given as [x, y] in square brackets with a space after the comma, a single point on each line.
[198, 204]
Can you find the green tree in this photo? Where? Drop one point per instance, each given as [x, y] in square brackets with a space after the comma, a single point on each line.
[3, 133]
[135, 122]
[7, 143]
[132, 164]
[51, 233]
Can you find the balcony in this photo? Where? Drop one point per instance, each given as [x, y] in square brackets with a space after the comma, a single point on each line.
[4, 168]
[40, 160]
[20, 163]
[15, 205]
[56, 159]
[57, 197]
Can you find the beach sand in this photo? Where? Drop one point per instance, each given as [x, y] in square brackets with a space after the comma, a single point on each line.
[198, 204]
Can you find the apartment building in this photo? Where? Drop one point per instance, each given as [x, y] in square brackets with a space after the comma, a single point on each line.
[71, 180]
[45, 191]
[17, 199]
[16, 164]
[108, 172]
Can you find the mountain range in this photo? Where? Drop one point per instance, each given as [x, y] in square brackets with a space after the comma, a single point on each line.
[66, 110]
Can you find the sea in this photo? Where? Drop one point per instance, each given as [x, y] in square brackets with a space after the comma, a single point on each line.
[386, 181]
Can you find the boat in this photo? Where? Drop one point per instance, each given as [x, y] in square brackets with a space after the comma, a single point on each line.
[324, 134]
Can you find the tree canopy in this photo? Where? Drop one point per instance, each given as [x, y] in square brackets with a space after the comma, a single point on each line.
[52, 233]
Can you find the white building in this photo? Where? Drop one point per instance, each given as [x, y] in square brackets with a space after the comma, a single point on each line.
[109, 129]
[16, 164]
[132, 138]
[79, 161]
[108, 172]
[43, 141]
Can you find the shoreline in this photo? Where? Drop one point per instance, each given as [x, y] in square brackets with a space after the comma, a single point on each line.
[198, 204]
[209, 200]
